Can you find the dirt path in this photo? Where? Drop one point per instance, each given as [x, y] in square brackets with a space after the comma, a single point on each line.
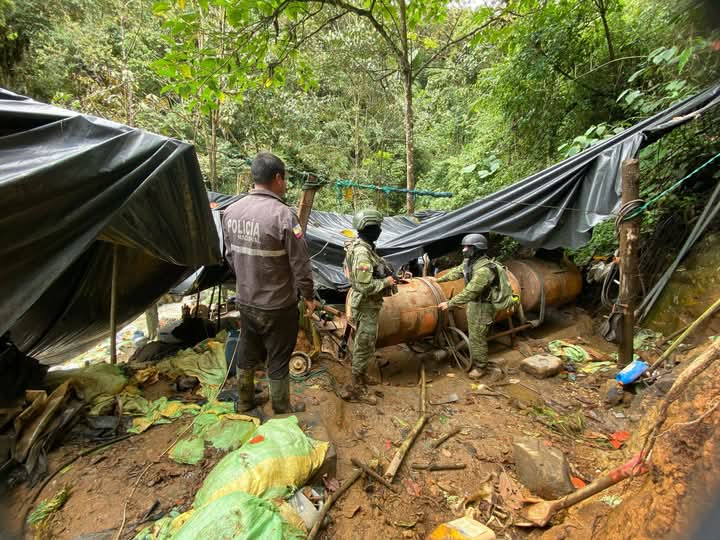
[557, 410]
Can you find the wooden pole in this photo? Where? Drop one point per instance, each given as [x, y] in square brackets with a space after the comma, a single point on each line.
[113, 307]
[629, 261]
[306, 204]
[331, 501]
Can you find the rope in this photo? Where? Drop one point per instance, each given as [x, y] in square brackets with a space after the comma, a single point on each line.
[640, 209]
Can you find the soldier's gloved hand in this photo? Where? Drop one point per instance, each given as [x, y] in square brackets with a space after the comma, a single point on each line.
[390, 281]
[443, 306]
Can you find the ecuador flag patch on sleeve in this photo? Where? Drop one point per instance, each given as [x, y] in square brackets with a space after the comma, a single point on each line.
[297, 230]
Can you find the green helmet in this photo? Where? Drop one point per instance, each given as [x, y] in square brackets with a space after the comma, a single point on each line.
[368, 216]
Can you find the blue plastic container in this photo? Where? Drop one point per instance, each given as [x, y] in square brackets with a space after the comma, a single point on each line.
[230, 349]
[632, 372]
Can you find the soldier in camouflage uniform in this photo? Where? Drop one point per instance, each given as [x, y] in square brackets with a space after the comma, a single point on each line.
[479, 278]
[366, 298]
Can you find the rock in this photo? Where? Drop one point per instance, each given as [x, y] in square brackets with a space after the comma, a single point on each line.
[542, 469]
[612, 393]
[664, 383]
[542, 365]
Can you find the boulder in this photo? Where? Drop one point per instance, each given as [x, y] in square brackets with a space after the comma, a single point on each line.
[542, 365]
[542, 469]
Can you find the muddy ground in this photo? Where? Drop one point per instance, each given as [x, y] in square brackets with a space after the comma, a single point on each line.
[567, 414]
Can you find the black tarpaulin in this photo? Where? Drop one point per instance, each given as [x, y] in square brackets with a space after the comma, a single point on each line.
[559, 206]
[71, 187]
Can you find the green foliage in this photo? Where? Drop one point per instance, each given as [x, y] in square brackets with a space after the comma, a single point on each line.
[318, 84]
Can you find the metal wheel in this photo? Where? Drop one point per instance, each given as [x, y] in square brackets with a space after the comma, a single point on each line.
[458, 344]
[300, 364]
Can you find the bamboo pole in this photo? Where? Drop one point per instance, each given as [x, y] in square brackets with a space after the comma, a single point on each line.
[410, 439]
[331, 501]
[113, 306]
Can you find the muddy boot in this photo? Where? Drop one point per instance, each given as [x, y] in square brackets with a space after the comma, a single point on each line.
[246, 389]
[367, 380]
[357, 392]
[280, 397]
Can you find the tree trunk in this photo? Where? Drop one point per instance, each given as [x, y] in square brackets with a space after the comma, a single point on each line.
[602, 10]
[407, 75]
[409, 144]
[212, 149]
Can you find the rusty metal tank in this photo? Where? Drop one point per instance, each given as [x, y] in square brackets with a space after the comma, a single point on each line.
[561, 282]
[412, 313]
[409, 315]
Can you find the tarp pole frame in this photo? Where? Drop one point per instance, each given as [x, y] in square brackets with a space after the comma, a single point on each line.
[113, 306]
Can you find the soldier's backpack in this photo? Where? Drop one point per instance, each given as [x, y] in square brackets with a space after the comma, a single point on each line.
[501, 293]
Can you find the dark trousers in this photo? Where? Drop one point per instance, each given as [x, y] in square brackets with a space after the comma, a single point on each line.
[267, 334]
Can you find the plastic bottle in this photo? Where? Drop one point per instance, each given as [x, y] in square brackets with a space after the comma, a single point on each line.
[632, 371]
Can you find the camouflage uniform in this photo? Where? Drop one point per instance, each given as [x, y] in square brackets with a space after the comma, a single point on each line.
[366, 300]
[480, 314]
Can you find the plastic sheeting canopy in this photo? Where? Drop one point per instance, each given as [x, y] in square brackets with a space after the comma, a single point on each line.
[72, 189]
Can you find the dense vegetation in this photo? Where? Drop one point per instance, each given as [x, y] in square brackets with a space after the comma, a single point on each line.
[496, 90]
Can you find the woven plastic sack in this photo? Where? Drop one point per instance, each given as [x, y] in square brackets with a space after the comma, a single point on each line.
[278, 456]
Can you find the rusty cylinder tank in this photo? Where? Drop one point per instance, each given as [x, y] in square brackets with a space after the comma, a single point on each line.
[561, 281]
[409, 315]
[412, 313]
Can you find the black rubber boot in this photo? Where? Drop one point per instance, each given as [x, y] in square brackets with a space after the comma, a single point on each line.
[246, 389]
[280, 397]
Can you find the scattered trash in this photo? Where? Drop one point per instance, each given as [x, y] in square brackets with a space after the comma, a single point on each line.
[464, 528]
[568, 351]
[405, 524]
[611, 500]
[577, 482]
[542, 469]
[452, 398]
[48, 507]
[542, 365]
[306, 509]
[618, 438]
[632, 372]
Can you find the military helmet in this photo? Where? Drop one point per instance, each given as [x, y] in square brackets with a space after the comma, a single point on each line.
[368, 216]
[476, 240]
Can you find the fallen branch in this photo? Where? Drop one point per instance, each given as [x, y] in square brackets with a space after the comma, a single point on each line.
[331, 501]
[439, 466]
[696, 367]
[408, 442]
[445, 437]
[373, 474]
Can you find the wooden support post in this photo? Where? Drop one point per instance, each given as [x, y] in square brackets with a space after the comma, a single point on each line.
[113, 306]
[306, 203]
[629, 261]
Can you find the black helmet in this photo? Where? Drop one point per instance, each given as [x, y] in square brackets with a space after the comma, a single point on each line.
[478, 241]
